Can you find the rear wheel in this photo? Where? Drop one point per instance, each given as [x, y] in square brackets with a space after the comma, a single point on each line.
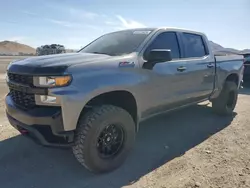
[104, 137]
[225, 103]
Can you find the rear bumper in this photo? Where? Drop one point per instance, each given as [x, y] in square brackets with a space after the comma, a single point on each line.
[44, 124]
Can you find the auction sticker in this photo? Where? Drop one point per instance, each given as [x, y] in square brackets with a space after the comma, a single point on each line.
[141, 32]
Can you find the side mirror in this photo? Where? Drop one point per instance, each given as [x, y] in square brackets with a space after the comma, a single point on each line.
[159, 55]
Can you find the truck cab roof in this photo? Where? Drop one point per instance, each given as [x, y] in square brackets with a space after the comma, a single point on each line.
[155, 29]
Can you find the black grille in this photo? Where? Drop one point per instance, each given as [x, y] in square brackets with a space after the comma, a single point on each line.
[23, 100]
[22, 79]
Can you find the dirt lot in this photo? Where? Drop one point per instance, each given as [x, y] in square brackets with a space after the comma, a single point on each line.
[189, 148]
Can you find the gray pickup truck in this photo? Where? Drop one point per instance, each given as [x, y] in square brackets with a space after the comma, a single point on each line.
[94, 100]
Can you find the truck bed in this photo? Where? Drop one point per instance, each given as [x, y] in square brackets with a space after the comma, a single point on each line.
[224, 58]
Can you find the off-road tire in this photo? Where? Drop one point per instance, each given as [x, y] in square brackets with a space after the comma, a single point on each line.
[225, 103]
[90, 126]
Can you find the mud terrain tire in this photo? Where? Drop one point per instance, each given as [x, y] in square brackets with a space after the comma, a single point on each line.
[225, 103]
[89, 148]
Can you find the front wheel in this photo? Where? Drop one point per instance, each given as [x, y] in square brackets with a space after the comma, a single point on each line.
[104, 138]
[225, 103]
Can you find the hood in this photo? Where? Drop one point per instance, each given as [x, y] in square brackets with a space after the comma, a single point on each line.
[66, 59]
[54, 64]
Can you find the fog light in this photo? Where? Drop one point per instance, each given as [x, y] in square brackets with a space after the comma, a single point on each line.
[48, 99]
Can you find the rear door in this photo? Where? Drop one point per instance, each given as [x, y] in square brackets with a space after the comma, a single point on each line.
[200, 66]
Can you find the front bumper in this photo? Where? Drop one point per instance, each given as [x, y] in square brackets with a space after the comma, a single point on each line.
[44, 124]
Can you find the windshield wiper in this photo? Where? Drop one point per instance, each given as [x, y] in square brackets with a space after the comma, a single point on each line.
[100, 53]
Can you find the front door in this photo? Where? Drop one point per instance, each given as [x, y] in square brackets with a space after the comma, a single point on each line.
[167, 81]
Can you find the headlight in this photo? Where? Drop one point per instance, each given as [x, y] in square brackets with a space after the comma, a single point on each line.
[52, 81]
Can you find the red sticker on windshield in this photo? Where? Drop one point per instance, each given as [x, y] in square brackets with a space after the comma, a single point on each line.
[142, 32]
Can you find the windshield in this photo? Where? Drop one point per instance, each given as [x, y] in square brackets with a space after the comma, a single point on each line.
[117, 43]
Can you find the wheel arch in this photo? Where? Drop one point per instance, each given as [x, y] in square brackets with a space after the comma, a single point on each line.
[233, 77]
[120, 98]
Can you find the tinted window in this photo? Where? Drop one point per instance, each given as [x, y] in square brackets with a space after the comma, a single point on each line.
[194, 45]
[117, 43]
[166, 40]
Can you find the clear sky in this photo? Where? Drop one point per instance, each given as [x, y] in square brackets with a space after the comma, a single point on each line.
[74, 23]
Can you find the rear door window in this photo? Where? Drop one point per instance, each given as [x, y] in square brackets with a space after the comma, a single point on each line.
[194, 45]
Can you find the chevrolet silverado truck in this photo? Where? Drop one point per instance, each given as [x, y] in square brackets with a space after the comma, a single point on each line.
[94, 100]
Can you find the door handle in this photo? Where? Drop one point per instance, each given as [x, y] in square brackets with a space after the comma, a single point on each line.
[210, 66]
[180, 69]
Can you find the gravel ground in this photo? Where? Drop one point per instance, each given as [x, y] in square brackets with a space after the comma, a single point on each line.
[183, 149]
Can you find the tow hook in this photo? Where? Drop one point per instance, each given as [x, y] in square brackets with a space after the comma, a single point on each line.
[23, 131]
